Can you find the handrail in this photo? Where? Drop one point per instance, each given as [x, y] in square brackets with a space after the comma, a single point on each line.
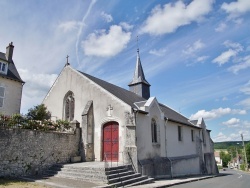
[141, 167]
[132, 162]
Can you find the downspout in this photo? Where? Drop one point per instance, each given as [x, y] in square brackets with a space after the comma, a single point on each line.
[171, 164]
[135, 111]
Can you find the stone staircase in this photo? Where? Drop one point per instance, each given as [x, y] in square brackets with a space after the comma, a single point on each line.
[119, 176]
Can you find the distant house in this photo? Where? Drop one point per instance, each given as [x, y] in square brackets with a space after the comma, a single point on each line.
[11, 84]
[217, 158]
[127, 126]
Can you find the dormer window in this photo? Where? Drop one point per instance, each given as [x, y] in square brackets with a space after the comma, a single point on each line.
[3, 67]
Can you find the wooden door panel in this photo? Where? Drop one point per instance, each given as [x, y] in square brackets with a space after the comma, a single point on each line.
[111, 141]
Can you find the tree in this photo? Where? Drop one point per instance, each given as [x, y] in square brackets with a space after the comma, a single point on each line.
[248, 151]
[225, 158]
[39, 112]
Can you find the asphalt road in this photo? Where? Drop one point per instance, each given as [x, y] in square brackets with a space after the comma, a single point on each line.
[231, 179]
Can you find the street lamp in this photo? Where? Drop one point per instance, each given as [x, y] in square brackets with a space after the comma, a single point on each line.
[246, 164]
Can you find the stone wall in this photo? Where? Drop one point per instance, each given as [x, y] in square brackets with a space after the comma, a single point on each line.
[24, 152]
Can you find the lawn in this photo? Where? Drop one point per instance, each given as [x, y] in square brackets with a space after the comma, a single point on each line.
[13, 183]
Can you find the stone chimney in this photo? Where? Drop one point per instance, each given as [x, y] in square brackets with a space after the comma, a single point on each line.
[9, 52]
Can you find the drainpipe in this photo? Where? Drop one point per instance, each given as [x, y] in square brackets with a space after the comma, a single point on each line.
[166, 122]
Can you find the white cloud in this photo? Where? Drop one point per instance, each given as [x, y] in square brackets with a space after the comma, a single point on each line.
[221, 137]
[246, 124]
[202, 58]
[216, 113]
[246, 88]
[191, 49]
[221, 27]
[168, 18]
[106, 44]
[245, 63]
[245, 103]
[107, 17]
[69, 25]
[159, 52]
[236, 8]
[36, 86]
[233, 122]
[235, 48]
[225, 57]
[126, 26]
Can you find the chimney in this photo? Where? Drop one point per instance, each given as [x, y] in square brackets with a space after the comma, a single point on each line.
[9, 52]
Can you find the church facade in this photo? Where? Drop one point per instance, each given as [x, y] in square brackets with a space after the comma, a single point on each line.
[131, 126]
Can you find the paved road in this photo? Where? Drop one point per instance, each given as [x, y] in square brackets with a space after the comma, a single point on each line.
[232, 179]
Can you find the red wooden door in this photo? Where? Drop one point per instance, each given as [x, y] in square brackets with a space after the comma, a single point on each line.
[111, 141]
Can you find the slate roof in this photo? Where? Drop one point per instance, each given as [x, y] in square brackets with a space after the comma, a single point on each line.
[138, 74]
[130, 98]
[12, 71]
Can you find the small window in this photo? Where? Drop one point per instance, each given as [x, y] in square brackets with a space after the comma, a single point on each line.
[69, 106]
[179, 133]
[154, 131]
[3, 67]
[192, 135]
[1, 96]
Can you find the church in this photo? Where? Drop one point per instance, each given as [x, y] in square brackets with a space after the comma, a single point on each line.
[130, 126]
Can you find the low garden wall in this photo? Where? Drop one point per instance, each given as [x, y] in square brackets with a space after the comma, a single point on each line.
[25, 152]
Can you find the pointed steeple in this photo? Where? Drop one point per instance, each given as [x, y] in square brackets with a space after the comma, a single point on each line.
[139, 84]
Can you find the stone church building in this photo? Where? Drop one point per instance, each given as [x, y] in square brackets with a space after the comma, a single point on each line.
[128, 126]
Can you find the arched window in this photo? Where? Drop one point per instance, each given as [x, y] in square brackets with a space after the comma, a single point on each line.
[69, 106]
[154, 131]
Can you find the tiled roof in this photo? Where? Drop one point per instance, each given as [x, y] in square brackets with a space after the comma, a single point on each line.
[12, 71]
[130, 98]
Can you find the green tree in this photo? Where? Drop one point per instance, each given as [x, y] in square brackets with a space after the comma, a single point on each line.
[247, 146]
[225, 158]
[39, 112]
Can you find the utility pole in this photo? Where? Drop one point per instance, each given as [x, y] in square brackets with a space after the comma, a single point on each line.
[246, 164]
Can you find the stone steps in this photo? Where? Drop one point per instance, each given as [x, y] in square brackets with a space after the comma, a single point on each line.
[120, 176]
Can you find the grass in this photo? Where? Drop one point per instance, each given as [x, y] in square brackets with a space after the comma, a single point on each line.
[14, 183]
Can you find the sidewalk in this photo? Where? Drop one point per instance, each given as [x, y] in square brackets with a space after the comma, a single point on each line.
[176, 181]
[55, 182]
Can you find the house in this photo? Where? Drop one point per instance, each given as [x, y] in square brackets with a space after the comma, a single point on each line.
[131, 126]
[11, 84]
[217, 158]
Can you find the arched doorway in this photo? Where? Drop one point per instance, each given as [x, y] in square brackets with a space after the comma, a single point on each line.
[110, 142]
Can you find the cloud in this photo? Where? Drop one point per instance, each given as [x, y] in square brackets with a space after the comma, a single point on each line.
[245, 63]
[106, 44]
[246, 124]
[69, 26]
[237, 8]
[246, 88]
[216, 113]
[233, 122]
[221, 27]
[221, 137]
[159, 52]
[245, 103]
[191, 49]
[224, 57]
[107, 17]
[202, 58]
[170, 17]
[36, 86]
[126, 26]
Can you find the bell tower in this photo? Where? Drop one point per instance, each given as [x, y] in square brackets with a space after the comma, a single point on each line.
[139, 84]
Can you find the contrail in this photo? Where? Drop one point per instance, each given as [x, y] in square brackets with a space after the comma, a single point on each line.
[81, 26]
